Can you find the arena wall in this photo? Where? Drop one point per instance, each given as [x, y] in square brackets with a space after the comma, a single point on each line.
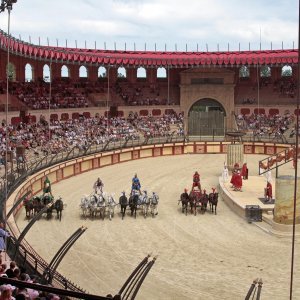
[78, 166]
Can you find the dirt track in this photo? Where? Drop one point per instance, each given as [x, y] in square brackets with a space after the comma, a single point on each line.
[202, 257]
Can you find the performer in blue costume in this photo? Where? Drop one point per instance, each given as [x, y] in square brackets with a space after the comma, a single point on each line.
[136, 185]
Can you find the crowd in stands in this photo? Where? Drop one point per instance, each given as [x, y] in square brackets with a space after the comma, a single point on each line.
[164, 126]
[262, 125]
[37, 139]
[286, 86]
[36, 95]
[134, 95]
[10, 292]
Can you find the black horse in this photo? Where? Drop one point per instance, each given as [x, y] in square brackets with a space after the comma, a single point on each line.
[59, 206]
[123, 201]
[194, 200]
[184, 198]
[45, 201]
[213, 202]
[29, 208]
[133, 204]
[204, 201]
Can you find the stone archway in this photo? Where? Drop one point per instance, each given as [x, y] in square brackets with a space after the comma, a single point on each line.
[206, 117]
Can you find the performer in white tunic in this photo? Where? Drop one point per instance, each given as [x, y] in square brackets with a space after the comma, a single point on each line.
[225, 174]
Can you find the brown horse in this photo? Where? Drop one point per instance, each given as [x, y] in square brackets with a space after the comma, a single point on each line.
[195, 197]
[29, 208]
[213, 202]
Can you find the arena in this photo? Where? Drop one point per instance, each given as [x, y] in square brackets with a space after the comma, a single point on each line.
[201, 256]
[72, 114]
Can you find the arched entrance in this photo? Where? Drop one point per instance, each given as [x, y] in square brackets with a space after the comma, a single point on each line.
[206, 117]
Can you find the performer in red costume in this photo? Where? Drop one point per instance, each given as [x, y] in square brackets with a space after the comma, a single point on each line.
[244, 172]
[196, 181]
[268, 192]
[238, 181]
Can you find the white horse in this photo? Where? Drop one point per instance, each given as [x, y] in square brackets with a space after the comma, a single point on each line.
[153, 204]
[145, 202]
[97, 205]
[84, 205]
[110, 204]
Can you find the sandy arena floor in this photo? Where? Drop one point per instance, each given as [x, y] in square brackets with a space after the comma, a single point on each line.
[202, 257]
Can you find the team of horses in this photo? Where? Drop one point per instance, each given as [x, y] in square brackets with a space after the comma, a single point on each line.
[35, 204]
[103, 204]
[199, 200]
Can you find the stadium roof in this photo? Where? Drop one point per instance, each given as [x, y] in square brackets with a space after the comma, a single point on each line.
[147, 58]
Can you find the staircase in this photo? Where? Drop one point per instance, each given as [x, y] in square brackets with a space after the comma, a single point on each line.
[276, 160]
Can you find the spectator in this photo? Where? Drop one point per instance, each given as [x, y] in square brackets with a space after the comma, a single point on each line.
[3, 235]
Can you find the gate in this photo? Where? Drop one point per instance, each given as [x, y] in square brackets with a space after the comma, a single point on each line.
[206, 123]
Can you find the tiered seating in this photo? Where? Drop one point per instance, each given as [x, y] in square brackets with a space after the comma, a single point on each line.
[144, 94]
[280, 92]
[262, 125]
[64, 94]
[159, 127]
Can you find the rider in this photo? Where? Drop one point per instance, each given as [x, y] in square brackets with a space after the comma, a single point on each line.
[196, 181]
[98, 185]
[136, 185]
[47, 187]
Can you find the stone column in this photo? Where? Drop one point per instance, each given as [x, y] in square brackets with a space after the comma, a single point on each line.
[235, 154]
[284, 198]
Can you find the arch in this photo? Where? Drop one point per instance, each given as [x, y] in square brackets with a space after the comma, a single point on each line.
[64, 72]
[11, 71]
[244, 72]
[46, 73]
[28, 72]
[206, 117]
[286, 71]
[121, 72]
[83, 72]
[102, 72]
[161, 72]
[265, 71]
[206, 105]
[141, 72]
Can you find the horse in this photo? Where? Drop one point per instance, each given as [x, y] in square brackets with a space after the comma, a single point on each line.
[37, 205]
[29, 208]
[153, 204]
[213, 202]
[145, 202]
[204, 200]
[110, 204]
[84, 205]
[123, 201]
[194, 200]
[45, 201]
[97, 205]
[133, 203]
[59, 206]
[184, 198]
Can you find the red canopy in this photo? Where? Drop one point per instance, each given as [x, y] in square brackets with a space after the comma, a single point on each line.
[149, 58]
